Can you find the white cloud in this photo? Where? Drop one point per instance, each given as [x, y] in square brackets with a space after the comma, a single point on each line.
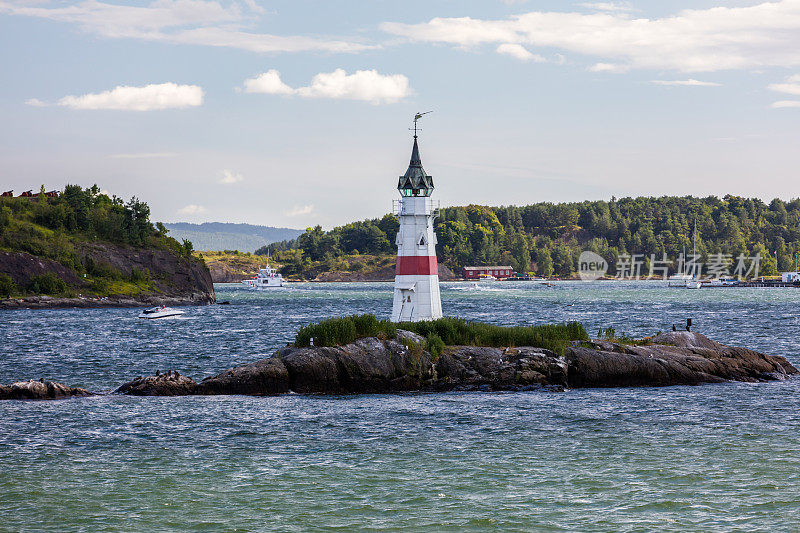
[260, 42]
[268, 83]
[609, 67]
[608, 6]
[297, 211]
[520, 52]
[198, 22]
[147, 98]
[254, 7]
[229, 177]
[792, 86]
[35, 102]
[191, 209]
[367, 85]
[690, 82]
[143, 155]
[693, 40]
[785, 103]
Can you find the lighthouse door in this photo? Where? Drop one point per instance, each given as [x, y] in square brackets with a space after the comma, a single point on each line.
[405, 293]
[407, 305]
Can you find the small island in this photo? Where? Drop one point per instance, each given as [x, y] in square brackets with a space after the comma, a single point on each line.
[364, 355]
[83, 248]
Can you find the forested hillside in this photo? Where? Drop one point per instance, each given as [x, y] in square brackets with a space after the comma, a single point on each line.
[83, 242]
[547, 238]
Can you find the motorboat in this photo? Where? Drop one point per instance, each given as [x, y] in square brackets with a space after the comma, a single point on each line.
[693, 284]
[486, 277]
[159, 312]
[267, 278]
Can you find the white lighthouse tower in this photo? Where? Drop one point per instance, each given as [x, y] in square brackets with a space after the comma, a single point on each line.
[416, 282]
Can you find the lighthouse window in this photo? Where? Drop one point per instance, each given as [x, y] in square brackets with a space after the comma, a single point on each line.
[422, 241]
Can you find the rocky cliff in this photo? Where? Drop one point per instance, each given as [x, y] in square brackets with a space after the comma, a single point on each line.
[177, 278]
[171, 279]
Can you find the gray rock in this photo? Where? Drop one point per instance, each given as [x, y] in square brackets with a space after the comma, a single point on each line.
[40, 390]
[373, 365]
[479, 368]
[409, 336]
[367, 365]
[169, 384]
[674, 358]
[264, 377]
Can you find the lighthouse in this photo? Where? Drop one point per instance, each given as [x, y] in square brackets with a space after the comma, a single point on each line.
[416, 281]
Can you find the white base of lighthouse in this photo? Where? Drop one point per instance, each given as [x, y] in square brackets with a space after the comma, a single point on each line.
[416, 298]
[416, 282]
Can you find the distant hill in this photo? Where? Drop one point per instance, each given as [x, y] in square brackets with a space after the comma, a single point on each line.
[226, 236]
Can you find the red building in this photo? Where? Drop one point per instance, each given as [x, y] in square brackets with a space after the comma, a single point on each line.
[499, 272]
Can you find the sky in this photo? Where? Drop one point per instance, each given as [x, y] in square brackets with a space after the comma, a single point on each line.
[297, 113]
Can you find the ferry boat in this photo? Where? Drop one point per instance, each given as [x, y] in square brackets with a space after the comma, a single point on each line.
[267, 278]
[159, 312]
[723, 282]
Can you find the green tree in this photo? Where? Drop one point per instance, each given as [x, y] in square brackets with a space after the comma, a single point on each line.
[7, 285]
[518, 245]
[188, 247]
[5, 218]
[47, 283]
[544, 262]
[563, 261]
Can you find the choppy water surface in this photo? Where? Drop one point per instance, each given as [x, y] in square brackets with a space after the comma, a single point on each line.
[720, 457]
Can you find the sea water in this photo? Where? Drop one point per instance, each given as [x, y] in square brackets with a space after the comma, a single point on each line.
[713, 457]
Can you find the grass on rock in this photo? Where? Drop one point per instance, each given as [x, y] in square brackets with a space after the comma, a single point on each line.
[447, 331]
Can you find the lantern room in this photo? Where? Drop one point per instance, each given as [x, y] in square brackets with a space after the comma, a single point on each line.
[415, 182]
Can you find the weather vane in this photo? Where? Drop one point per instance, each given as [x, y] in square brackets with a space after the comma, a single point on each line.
[416, 118]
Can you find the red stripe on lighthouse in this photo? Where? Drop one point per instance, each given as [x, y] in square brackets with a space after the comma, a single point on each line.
[420, 265]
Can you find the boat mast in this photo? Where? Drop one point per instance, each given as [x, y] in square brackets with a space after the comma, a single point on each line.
[683, 266]
[694, 243]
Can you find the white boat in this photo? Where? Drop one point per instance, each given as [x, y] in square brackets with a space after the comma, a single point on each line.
[723, 282]
[693, 284]
[486, 277]
[159, 312]
[267, 278]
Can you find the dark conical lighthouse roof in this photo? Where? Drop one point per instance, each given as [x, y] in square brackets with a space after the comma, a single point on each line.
[415, 182]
